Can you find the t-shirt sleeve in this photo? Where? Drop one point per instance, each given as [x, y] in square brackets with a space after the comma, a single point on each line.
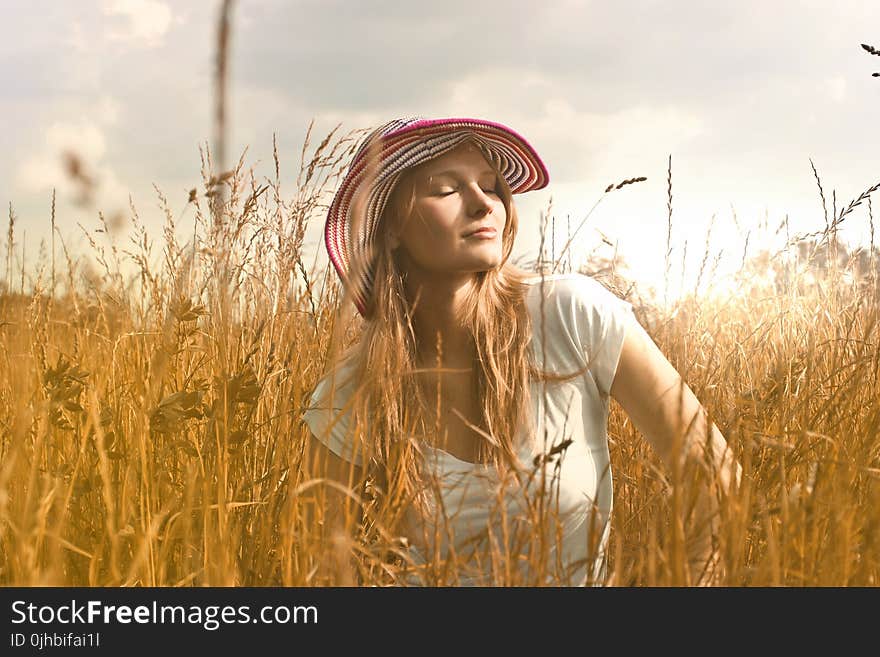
[328, 415]
[600, 320]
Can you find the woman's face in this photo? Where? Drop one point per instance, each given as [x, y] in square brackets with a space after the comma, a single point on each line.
[458, 217]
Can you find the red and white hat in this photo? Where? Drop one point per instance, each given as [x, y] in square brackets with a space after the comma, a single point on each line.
[377, 165]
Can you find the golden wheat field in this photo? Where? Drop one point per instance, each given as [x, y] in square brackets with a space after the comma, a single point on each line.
[150, 429]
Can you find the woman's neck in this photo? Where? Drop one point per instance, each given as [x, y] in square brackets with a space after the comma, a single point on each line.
[438, 311]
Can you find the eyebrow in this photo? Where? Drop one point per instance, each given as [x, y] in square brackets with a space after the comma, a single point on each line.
[453, 173]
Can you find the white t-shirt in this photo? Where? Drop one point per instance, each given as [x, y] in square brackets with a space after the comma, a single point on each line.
[583, 323]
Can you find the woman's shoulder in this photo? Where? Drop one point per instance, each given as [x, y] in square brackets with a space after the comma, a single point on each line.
[327, 414]
[569, 289]
[575, 305]
[338, 379]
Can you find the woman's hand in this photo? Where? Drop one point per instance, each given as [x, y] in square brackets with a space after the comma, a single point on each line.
[664, 409]
[704, 560]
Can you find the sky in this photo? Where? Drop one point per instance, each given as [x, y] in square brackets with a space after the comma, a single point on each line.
[741, 96]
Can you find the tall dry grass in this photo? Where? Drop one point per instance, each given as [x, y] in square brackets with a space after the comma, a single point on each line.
[150, 433]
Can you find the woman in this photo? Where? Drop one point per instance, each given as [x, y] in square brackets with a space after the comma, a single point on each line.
[475, 401]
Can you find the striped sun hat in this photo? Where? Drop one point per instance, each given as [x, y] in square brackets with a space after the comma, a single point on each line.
[377, 165]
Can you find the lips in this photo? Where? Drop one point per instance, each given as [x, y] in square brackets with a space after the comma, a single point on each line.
[484, 231]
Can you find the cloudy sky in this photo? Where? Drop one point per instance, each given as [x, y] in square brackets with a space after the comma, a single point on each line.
[740, 94]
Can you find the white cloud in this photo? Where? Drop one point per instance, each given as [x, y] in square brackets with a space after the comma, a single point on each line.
[147, 21]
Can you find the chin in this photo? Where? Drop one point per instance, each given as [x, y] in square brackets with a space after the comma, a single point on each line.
[487, 265]
[470, 265]
[485, 262]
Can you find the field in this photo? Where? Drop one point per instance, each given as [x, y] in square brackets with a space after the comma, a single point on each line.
[150, 433]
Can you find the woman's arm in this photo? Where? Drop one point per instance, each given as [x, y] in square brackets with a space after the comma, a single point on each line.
[334, 512]
[664, 409]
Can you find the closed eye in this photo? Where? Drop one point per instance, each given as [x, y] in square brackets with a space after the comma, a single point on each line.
[485, 191]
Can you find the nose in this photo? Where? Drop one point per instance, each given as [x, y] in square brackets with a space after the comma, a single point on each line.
[478, 202]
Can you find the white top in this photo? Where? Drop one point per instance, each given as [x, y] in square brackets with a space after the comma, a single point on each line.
[583, 322]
